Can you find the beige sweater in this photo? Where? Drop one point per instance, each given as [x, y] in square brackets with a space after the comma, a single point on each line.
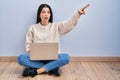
[51, 32]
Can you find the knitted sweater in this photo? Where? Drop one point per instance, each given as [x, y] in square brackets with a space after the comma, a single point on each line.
[51, 32]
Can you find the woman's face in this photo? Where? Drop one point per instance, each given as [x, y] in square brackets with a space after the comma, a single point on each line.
[45, 15]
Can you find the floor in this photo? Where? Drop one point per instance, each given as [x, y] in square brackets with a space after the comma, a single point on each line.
[72, 71]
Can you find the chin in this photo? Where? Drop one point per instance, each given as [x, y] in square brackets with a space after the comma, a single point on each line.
[46, 21]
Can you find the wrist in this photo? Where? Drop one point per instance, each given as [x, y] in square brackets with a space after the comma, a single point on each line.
[79, 12]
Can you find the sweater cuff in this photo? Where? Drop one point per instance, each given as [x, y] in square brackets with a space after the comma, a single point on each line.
[78, 14]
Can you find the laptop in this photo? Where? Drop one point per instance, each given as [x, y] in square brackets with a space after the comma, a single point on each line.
[44, 51]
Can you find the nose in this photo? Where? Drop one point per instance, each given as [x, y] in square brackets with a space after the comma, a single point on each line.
[46, 13]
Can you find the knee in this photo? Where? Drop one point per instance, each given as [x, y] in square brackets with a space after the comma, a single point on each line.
[66, 58]
[21, 58]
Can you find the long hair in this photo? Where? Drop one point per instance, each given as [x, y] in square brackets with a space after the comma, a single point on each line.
[39, 11]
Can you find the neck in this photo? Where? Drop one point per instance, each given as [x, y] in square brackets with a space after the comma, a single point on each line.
[44, 23]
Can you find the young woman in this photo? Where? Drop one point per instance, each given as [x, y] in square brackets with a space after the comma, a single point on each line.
[45, 31]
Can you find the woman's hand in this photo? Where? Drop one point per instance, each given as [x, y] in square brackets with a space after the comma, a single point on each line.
[82, 10]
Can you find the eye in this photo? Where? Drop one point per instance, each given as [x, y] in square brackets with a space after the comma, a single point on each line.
[42, 11]
[48, 12]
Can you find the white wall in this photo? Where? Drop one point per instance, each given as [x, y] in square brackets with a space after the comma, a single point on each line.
[96, 34]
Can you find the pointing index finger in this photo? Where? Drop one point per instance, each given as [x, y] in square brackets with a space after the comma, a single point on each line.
[85, 7]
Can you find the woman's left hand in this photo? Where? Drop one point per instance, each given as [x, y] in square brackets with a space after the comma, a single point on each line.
[82, 10]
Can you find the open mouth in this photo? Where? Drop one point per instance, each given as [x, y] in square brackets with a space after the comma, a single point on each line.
[46, 18]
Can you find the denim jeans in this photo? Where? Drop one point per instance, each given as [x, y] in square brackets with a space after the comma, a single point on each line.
[24, 60]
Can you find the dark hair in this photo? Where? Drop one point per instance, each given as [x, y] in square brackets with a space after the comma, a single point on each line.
[39, 11]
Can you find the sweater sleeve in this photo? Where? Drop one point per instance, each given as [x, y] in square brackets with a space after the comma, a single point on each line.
[66, 26]
[29, 39]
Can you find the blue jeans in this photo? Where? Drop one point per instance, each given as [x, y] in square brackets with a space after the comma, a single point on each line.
[24, 60]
